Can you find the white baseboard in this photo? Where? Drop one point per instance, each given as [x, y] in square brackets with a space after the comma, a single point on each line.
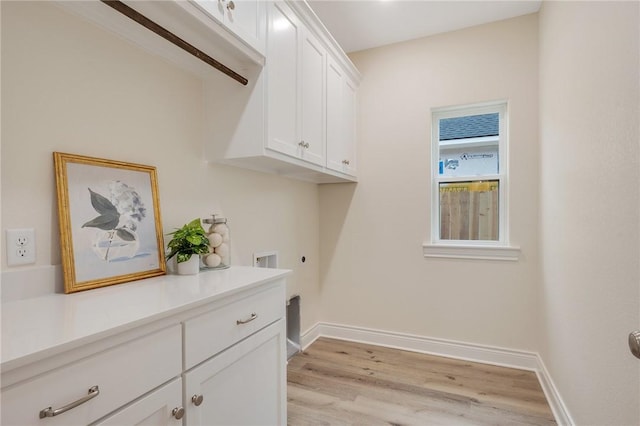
[522, 360]
[448, 348]
[559, 409]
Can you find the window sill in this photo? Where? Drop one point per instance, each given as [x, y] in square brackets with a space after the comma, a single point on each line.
[479, 252]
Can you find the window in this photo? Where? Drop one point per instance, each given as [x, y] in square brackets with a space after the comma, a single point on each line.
[469, 181]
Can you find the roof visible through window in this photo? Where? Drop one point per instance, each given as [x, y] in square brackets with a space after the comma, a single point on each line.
[470, 126]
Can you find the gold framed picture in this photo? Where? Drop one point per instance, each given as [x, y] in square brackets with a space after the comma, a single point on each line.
[109, 216]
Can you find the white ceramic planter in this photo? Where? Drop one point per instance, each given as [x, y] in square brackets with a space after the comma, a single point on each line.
[190, 267]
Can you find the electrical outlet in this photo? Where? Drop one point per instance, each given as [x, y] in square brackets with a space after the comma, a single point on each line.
[21, 246]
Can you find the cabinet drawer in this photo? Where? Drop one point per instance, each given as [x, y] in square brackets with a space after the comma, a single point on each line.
[122, 373]
[214, 331]
[153, 409]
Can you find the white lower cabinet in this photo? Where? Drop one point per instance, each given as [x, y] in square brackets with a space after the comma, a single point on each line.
[244, 385]
[92, 387]
[220, 362]
[162, 407]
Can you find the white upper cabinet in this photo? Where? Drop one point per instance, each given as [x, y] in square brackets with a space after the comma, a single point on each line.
[244, 18]
[313, 106]
[295, 88]
[341, 120]
[283, 50]
[296, 117]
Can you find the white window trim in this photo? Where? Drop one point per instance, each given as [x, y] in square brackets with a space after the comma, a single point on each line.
[469, 251]
[484, 250]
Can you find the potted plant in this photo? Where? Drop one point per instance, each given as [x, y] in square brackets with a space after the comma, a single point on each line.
[188, 241]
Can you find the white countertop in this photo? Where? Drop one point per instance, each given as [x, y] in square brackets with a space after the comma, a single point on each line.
[34, 328]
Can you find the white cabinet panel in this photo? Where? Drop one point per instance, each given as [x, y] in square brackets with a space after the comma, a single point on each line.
[214, 8]
[341, 120]
[296, 88]
[247, 20]
[244, 18]
[335, 122]
[313, 99]
[244, 385]
[155, 409]
[282, 80]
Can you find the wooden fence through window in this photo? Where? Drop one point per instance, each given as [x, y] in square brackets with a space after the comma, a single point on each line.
[469, 211]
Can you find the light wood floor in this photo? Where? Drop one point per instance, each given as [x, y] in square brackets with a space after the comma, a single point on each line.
[343, 383]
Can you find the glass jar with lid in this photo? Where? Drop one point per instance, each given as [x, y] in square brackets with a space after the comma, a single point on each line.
[219, 256]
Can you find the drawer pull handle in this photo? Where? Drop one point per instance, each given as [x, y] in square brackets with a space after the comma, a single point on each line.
[50, 412]
[178, 413]
[248, 320]
[197, 400]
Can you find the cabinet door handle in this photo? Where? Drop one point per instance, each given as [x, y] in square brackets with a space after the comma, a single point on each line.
[231, 5]
[197, 400]
[178, 413]
[50, 412]
[303, 144]
[346, 162]
[248, 320]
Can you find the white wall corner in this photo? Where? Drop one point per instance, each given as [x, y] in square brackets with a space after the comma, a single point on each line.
[558, 407]
[484, 354]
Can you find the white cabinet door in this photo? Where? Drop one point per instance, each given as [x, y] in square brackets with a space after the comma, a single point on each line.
[349, 101]
[282, 80]
[214, 8]
[313, 99]
[341, 120]
[244, 18]
[244, 385]
[155, 409]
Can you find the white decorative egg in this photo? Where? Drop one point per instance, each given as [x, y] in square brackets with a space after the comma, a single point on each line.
[215, 239]
[212, 260]
[222, 250]
[221, 229]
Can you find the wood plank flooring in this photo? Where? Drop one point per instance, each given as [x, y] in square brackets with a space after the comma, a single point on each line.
[344, 383]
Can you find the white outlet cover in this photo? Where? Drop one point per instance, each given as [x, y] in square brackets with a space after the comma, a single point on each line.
[21, 246]
[265, 259]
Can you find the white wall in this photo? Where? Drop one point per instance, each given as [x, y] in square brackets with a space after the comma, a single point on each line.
[69, 86]
[373, 273]
[590, 236]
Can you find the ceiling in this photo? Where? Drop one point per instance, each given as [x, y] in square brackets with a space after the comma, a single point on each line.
[363, 24]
